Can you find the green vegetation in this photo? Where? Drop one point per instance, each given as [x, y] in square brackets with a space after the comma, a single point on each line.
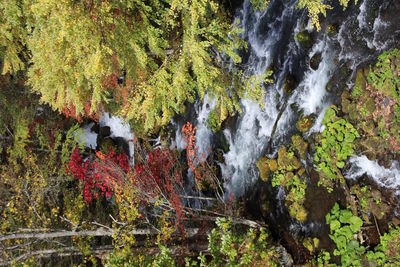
[304, 124]
[288, 172]
[335, 146]
[385, 74]
[388, 250]
[63, 63]
[373, 106]
[344, 227]
[230, 249]
[316, 8]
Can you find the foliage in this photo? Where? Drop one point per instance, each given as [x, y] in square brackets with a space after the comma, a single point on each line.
[370, 201]
[88, 43]
[159, 183]
[344, 226]
[373, 106]
[317, 7]
[388, 251]
[98, 176]
[288, 173]
[229, 248]
[336, 145]
[194, 67]
[13, 36]
[259, 5]
[386, 74]
[157, 55]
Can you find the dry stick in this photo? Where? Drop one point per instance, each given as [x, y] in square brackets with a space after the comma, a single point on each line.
[97, 232]
[376, 225]
[64, 252]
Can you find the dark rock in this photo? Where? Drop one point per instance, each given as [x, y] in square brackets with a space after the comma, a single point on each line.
[290, 84]
[95, 128]
[304, 39]
[105, 131]
[332, 30]
[315, 61]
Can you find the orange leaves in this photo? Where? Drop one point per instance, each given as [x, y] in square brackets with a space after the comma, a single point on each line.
[70, 112]
[189, 135]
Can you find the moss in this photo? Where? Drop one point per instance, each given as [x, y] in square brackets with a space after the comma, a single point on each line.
[273, 165]
[368, 127]
[263, 168]
[360, 84]
[301, 172]
[287, 160]
[297, 211]
[369, 106]
[305, 123]
[332, 30]
[300, 146]
[304, 39]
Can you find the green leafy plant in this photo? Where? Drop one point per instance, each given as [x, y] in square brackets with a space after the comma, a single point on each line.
[290, 175]
[336, 145]
[344, 227]
[228, 248]
[388, 251]
[385, 76]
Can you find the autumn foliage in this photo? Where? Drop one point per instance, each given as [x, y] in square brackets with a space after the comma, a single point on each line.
[201, 168]
[98, 175]
[159, 180]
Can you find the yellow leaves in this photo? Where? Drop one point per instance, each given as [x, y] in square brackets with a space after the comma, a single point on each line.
[12, 35]
[314, 8]
[317, 7]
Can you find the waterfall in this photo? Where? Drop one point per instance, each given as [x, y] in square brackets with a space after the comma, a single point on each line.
[271, 38]
[270, 35]
[203, 132]
[386, 177]
[119, 128]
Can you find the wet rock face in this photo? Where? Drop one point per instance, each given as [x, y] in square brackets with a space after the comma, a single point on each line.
[304, 39]
[315, 60]
[290, 84]
[305, 123]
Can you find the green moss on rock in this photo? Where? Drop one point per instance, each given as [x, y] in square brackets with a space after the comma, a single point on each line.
[304, 38]
[299, 145]
[305, 123]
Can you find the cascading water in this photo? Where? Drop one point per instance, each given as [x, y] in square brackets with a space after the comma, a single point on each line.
[270, 35]
[203, 132]
[265, 32]
[385, 177]
[271, 38]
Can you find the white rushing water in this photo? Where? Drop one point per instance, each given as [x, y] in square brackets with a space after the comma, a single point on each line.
[386, 177]
[362, 16]
[203, 132]
[255, 126]
[87, 136]
[119, 128]
[270, 35]
[311, 98]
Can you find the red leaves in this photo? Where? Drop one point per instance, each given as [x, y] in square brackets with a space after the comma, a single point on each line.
[202, 172]
[160, 176]
[97, 176]
[189, 135]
